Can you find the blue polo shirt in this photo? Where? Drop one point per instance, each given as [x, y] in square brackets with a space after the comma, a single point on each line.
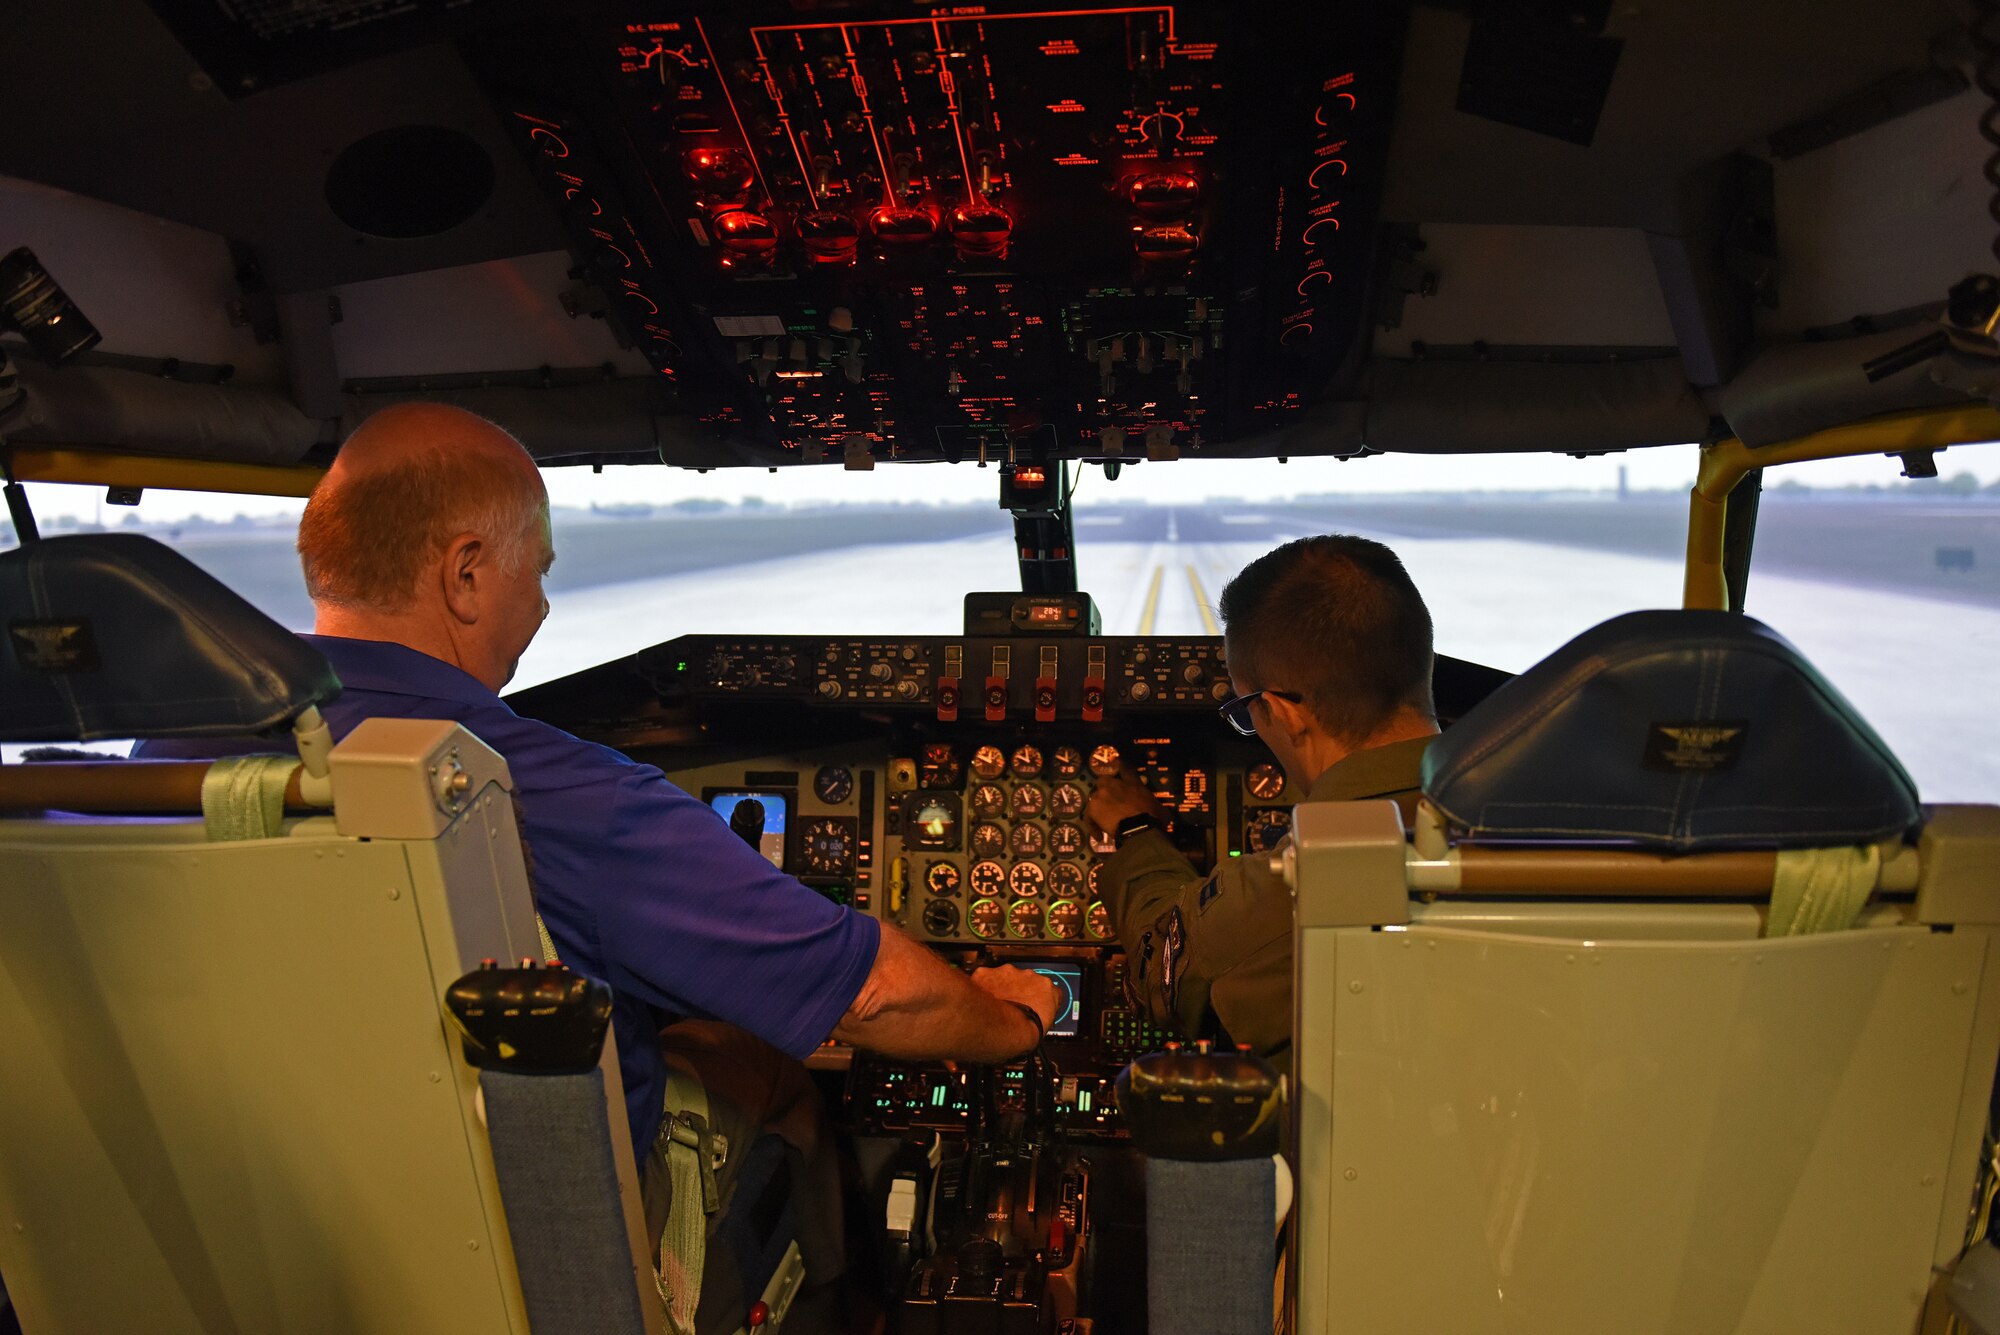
[639, 884]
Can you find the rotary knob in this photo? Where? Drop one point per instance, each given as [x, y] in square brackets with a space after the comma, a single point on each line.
[829, 689]
[1191, 674]
[1141, 690]
[880, 672]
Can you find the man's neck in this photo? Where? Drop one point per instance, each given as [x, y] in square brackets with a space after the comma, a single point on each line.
[413, 630]
[1405, 727]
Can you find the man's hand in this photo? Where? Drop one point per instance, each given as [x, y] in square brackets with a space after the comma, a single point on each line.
[1030, 989]
[1118, 798]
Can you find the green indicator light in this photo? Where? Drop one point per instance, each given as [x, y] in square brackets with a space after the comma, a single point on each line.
[1234, 853]
[1083, 1100]
[680, 667]
[937, 1097]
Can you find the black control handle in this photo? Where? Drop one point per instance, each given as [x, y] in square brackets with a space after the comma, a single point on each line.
[1202, 1105]
[532, 1020]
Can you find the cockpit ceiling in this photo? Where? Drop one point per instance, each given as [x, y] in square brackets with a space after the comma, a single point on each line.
[1568, 236]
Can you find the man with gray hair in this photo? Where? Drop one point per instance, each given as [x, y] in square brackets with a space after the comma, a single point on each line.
[424, 550]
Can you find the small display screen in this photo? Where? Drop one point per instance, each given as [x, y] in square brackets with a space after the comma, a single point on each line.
[1068, 979]
[769, 823]
[1045, 613]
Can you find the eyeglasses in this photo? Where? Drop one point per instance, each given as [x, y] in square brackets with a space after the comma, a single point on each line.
[1236, 711]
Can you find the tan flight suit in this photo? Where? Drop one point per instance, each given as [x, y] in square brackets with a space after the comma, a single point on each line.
[1224, 945]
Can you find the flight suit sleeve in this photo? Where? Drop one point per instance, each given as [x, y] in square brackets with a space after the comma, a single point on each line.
[1195, 946]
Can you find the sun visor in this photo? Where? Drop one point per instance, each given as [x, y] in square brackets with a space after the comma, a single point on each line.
[1437, 406]
[1683, 730]
[114, 635]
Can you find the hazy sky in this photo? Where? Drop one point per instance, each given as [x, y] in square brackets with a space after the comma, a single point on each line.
[1187, 481]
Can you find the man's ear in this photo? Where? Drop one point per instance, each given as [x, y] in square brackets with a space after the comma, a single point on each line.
[462, 570]
[1292, 718]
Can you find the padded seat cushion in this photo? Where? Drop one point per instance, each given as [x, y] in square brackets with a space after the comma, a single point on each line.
[115, 635]
[1685, 730]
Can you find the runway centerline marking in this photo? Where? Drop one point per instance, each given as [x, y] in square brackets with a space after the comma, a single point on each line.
[1151, 611]
[1201, 602]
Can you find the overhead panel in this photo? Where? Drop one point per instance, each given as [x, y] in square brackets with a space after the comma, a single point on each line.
[1105, 230]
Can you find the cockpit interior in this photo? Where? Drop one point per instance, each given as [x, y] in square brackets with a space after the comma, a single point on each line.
[302, 1058]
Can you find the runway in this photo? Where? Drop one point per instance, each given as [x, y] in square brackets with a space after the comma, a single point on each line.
[1917, 668]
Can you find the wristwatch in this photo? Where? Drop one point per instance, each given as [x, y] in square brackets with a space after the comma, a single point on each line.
[1132, 825]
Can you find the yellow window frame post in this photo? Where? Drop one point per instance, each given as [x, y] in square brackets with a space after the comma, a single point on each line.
[1724, 464]
[98, 468]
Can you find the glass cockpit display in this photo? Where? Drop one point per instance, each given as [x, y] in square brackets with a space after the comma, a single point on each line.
[1068, 979]
[759, 817]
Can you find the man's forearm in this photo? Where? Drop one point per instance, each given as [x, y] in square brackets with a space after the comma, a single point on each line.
[916, 1006]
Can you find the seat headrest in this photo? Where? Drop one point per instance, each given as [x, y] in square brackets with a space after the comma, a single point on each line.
[113, 635]
[1684, 730]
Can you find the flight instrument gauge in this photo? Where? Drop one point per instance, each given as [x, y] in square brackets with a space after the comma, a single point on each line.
[1066, 840]
[986, 919]
[942, 878]
[1024, 919]
[1029, 801]
[931, 822]
[988, 878]
[1066, 919]
[1026, 762]
[826, 848]
[834, 784]
[988, 762]
[1096, 875]
[940, 918]
[938, 767]
[1067, 800]
[1097, 920]
[1265, 781]
[1066, 879]
[1104, 760]
[1264, 829]
[988, 800]
[1026, 879]
[988, 841]
[1029, 840]
[1067, 762]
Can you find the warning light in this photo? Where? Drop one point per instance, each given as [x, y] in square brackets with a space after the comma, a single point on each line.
[1031, 477]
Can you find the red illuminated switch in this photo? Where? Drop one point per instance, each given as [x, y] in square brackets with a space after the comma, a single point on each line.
[1093, 685]
[1045, 686]
[946, 690]
[996, 683]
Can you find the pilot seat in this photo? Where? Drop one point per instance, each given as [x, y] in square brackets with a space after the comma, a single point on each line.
[1676, 1014]
[281, 1049]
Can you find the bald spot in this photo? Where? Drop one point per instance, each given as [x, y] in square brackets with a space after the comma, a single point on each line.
[407, 482]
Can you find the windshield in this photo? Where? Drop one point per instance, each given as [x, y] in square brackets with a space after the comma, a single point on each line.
[1892, 588]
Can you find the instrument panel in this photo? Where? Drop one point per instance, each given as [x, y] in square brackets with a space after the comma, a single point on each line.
[940, 784]
[891, 230]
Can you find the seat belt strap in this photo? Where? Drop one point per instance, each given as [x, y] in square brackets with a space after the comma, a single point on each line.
[692, 1151]
[243, 797]
[1821, 889]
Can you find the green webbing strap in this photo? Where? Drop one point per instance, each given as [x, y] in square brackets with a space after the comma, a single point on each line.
[548, 944]
[243, 797]
[692, 1151]
[1821, 889]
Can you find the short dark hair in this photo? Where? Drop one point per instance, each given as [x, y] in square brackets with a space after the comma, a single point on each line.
[1337, 619]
